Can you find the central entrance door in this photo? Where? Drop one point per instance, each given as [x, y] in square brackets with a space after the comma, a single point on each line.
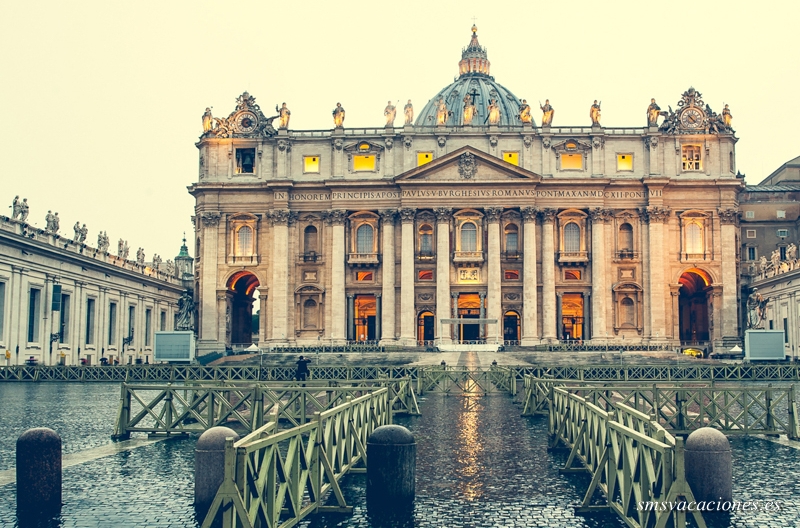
[364, 318]
[572, 316]
[469, 307]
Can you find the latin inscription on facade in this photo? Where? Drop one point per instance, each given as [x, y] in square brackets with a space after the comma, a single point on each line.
[464, 193]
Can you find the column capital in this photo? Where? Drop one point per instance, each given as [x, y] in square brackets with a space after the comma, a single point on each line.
[210, 218]
[282, 217]
[547, 215]
[599, 215]
[378, 295]
[335, 217]
[351, 296]
[407, 215]
[443, 214]
[656, 214]
[529, 214]
[493, 213]
[388, 215]
[482, 294]
[728, 216]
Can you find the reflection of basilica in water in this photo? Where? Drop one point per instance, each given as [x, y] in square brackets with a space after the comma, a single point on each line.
[471, 212]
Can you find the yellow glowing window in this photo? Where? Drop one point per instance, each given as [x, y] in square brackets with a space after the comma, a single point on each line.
[423, 158]
[511, 274]
[624, 162]
[691, 158]
[364, 276]
[364, 163]
[363, 146]
[425, 275]
[511, 157]
[572, 162]
[571, 146]
[572, 275]
[310, 163]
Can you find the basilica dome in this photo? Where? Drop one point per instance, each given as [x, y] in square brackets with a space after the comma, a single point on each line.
[473, 81]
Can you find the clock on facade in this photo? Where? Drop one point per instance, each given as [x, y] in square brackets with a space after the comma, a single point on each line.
[692, 117]
[246, 122]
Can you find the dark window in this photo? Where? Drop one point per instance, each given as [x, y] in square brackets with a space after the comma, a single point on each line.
[751, 253]
[33, 315]
[89, 321]
[245, 160]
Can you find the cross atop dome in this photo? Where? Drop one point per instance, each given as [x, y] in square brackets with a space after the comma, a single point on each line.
[473, 58]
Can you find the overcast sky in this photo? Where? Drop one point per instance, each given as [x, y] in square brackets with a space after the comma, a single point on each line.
[101, 101]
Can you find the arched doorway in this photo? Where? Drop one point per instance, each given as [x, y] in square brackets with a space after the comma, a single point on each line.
[239, 320]
[693, 306]
[425, 328]
[511, 328]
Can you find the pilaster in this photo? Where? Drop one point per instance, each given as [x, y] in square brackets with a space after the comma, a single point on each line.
[530, 329]
[387, 319]
[547, 217]
[494, 275]
[443, 216]
[407, 312]
[336, 307]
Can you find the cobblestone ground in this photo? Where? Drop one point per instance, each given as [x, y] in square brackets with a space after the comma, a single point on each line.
[479, 465]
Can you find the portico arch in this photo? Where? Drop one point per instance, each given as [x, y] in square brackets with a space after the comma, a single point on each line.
[239, 312]
[693, 307]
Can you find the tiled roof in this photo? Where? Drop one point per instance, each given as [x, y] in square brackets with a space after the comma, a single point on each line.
[787, 187]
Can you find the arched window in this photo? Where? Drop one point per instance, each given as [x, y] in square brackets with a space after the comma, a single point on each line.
[425, 239]
[694, 238]
[364, 239]
[625, 237]
[310, 240]
[572, 238]
[628, 316]
[512, 238]
[244, 241]
[310, 314]
[469, 237]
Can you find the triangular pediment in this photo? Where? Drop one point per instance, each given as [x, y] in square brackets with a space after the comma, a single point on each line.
[467, 165]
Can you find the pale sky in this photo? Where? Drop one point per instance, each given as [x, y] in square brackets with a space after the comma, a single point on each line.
[101, 101]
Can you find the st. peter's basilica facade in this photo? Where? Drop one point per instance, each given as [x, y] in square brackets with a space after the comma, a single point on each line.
[470, 211]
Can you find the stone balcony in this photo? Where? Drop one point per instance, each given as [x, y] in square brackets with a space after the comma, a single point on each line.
[364, 260]
[573, 256]
[467, 257]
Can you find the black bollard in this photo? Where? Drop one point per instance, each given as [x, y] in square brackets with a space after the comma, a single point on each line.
[391, 468]
[38, 473]
[709, 469]
[209, 465]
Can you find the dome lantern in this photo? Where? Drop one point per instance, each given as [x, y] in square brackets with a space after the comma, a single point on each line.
[473, 58]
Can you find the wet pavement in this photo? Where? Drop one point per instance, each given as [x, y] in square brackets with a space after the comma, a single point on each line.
[479, 465]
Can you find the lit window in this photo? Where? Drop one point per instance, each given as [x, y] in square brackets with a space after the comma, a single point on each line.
[364, 276]
[781, 214]
[694, 239]
[423, 158]
[511, 274]
[425, 275]
[364, 239]
[244, 241]
[572, 274]
[364, 163]
[571, 161]
[751, 233]
[691, 158]
[572, 238]
[311, 164]
[363, 146]
[511, 157]
[245, 160]
[624, 162]
[749, 214]
[469, 239]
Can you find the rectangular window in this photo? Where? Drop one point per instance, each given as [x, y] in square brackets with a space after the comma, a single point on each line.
[785, 330]
[781, 214]
[571, 161]
[749, 214]
[148, 316]
[89, 321]
[131, 320]
[163, 323]
[425, 275]
[783, 233]
[572, 274]
[771, 326]
[2, 308]
[34, 309]
[245, 161]
[691, 158]
[511, 157]
[364, 276]
[751, 233]
[423, 158]
[364, 163]
[783, 252]
[311, 164]
[65, 318]
[751, 253]
[112, 323]
[511, 274]
[624, 162]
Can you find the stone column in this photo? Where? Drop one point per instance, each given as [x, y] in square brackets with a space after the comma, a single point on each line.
[599, 301]
[280, 218]
[728, 218]
[482, 313]
[656, 294]
[351, 316]
[443, 216]
[530, 331]
[454, 315]
[337, 303]
[559, 317]
[223, 318]
[262, 315]
[547, 217]
[407, 312]
[387, 318]
[15, 335]
[378, 310]
[209, 224]
[494, 278]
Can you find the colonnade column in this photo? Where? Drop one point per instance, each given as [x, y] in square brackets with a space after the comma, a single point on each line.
[598, 307]
[378, 314]
[443, 216]
[494, 279]
[209, 224]
[656, 217]
[728, 219]
[548, 276]
[337, 219]
[530, 332]
[407, 312]
[262, 315]
[351, 316]
[454, 315]
[386, 319]
[280, 219]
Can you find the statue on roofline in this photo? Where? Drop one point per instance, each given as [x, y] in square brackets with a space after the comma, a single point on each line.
[547, 113]
[338, 116]
[390, 112]
[408, 110]
[525, 112]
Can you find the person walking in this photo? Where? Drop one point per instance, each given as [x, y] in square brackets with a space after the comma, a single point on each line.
[302, 368]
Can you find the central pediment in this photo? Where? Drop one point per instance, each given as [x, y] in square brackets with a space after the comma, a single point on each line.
[467, 165]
